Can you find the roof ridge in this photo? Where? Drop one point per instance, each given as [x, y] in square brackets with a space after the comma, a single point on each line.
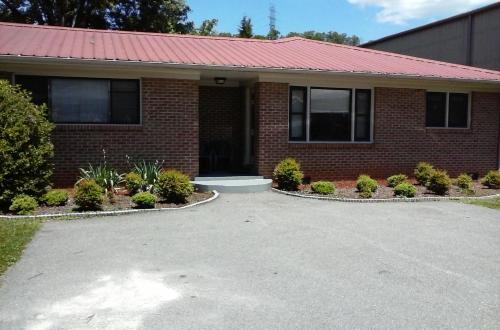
[170, 35]
[408, 57]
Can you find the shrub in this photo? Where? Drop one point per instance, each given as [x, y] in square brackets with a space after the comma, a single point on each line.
[88, 195]
[56, 197]
[405, 189]
[323, 187]
[144, 200]
[439, 182]
[288, 175]
[464, 182]
[174, 186]
[366, 186]
[423, 173]
[134, 182]
[492, 180]
[23, 205]
[149, 172]
[395, 180]
[103, 175]
[25, 148]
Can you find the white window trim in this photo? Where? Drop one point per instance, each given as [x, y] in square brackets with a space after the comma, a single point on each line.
[353, 115]
[97, 77]
[447, 110]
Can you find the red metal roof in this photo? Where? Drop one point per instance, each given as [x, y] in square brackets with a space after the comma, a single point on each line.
[285, 54]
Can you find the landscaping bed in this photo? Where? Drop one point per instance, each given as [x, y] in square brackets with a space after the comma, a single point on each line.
[348, 190]
[121, 201]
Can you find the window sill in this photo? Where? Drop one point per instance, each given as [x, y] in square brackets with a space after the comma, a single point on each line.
[448, 130]
[328, 145]
[98, 127]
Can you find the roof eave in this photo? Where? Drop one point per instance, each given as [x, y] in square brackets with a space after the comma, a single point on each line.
[17, 59]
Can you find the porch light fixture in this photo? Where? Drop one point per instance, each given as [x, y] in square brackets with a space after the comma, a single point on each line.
[220, 80]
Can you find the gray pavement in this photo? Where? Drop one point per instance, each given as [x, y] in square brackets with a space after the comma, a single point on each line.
[263, 261]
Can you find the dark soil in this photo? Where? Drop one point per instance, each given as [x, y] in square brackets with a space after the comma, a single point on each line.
[347, 189]
[120, 202]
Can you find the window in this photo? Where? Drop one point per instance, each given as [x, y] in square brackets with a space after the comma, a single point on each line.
[447, 110]
[330, 114]
[84, 100]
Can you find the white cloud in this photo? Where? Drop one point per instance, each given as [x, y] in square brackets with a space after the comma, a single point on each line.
[402, 11]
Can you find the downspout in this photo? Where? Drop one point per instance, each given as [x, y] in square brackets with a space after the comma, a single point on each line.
[247, 138]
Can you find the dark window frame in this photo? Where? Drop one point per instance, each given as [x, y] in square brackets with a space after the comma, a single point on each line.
[138, 81]
[447, 110]
[304, 113]
[352, 115]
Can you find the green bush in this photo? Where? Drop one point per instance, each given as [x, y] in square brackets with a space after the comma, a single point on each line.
[89, 195]
[103, 175]
[405, 189]
[323, 187]
[23, 205]
[423, 173]
[439, 182]
[288, 175]
[144, 200]
[366, 186]
[464, 182]
[25, 148]
[395, 180]
[492, 180]
[56, 197]
[134, 182]
[174, 186]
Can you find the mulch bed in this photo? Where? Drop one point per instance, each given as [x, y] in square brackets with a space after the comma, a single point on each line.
[121, 202]
[347, 189]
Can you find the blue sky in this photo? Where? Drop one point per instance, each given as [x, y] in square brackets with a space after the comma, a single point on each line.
[369, 19]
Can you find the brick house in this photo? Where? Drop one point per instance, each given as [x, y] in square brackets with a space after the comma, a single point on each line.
[211, 104]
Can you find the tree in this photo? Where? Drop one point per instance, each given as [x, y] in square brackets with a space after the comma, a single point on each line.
[25, 147]
[168, 16]
[207, 27]
[273, 34]
[246, 28]
[152, 16]
[331, 36]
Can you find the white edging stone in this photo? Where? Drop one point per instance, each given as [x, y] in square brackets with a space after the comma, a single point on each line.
[384, 200]
[108, 213]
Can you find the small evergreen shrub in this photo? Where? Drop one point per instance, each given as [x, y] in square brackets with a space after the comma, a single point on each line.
[323, 187]
[88, 195]
[423, 173]
[144, 200]
[25, 147]
[439, 182]
[366, 186]
[134, 183]
[23, 205]
[395, 180]
[405, 189]
[492, 180]
[56, 197]
[464, 182]
[288, 175]
[174, 186]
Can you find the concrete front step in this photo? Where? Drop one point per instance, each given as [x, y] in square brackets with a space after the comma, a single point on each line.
[235, 184]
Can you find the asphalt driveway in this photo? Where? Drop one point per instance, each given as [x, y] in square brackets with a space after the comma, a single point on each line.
[264, 260]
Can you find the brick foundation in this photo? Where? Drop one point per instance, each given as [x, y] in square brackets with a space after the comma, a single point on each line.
[400, 138]
[169, 132]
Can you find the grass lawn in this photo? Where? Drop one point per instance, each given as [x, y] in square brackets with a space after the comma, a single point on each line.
[492, 203]
[14, 235]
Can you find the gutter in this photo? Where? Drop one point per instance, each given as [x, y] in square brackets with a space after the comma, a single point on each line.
[15, 59]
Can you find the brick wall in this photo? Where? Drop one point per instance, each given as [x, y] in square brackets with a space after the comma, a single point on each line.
[169, 132]
[221, 119]
[400, 138]
[6, 75]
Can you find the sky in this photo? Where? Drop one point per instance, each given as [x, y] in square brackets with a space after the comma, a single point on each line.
[368, 19]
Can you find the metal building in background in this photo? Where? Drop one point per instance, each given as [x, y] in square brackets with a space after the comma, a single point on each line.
[471, 38]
